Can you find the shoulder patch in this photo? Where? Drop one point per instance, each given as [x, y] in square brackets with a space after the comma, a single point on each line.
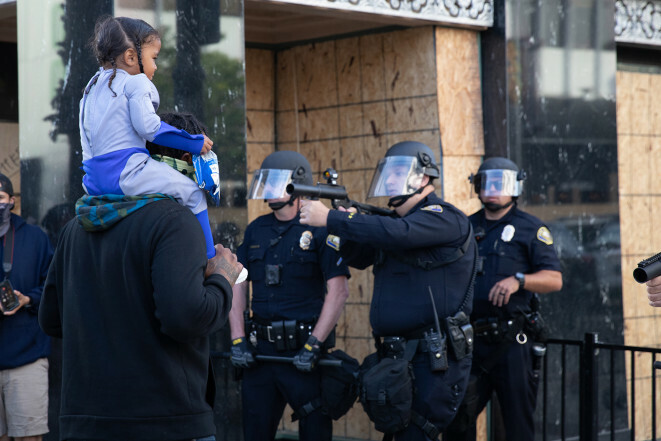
[434, 208]
[544, 235]
[333, 242]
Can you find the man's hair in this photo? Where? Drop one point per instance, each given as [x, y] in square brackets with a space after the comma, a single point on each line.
[5, 185]
[183, 121]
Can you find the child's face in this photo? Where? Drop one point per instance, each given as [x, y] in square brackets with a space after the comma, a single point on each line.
[149, 55]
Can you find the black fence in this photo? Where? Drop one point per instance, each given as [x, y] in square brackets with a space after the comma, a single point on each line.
[587, 394]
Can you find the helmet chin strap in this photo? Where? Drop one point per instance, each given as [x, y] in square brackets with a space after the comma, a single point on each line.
[490, 206]
[275, 206]
[400, 200]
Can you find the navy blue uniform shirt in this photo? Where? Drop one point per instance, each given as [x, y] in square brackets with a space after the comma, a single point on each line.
[518, 242]
[307, 258]
[431, 229]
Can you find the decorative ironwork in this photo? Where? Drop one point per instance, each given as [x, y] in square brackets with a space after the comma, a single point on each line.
[638, 22]
[469, 13]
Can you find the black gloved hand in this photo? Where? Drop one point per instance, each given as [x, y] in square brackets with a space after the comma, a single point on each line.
[242, 353]
[307, 358]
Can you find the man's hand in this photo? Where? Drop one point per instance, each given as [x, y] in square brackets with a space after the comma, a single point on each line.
[225, 264]
[308, 357]
[22, 301]
[501, 292]
[242, 353]
[654, 291]
[208, 143]
[314, 213]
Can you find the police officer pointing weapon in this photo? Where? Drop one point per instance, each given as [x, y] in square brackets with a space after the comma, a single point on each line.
[336, 193]
[424, 247]
[299, 287]
[517, 260]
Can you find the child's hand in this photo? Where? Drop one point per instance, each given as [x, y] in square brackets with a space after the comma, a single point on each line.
[206, 148]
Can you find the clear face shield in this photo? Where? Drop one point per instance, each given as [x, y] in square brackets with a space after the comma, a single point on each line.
[396, 176]
[499, 183]
[269, 184]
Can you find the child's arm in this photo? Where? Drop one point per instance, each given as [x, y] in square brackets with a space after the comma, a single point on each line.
[143, 97]
[169, 136]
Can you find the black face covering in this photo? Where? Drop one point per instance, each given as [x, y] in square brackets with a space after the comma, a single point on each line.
[5, 217]
[490, 206]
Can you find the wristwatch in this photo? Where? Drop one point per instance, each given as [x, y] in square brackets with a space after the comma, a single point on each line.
[521, 278]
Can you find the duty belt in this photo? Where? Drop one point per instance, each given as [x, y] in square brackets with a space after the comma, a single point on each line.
[286, 334]
[277, 330]
[496, 330]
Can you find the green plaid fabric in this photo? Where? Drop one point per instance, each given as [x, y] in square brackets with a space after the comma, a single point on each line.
[98, 213]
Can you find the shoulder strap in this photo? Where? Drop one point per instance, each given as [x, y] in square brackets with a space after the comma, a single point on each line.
[468, 295]
[8, 257]
[423, 423]
[306, 409]
[452, 255]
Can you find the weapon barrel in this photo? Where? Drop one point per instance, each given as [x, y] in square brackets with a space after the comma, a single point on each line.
[318, 191]
[648, 269]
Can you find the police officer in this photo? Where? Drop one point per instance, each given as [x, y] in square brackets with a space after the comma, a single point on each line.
[517, 259]
[299, 287]
[424, 247]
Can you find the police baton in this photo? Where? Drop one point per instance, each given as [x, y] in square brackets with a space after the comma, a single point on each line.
[278, 359]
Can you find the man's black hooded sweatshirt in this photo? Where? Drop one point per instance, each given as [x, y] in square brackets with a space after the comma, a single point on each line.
[134, 312]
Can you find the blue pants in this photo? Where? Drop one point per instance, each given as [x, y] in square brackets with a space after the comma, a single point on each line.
[515, 384]
[268, 387]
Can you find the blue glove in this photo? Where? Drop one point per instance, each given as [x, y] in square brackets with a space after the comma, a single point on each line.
[242, 353]
[208, 175]
[308, 357]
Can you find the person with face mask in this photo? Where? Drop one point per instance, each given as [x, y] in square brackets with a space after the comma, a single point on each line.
[299, 287]
[24, 347]
[423, 257]
[517, 260]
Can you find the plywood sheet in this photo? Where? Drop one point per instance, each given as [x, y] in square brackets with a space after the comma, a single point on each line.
[459, 91]
[260, 79]
[348, 70]
[409, 64]
[260, 126]
[316, 79]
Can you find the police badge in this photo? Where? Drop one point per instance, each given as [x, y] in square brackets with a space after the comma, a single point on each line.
[508, 233]
[305, 240]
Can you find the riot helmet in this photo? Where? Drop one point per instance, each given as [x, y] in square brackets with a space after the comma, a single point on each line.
[277, 171]
[400, 173]
[498, 177]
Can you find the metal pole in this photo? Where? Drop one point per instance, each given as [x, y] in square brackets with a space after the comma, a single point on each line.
[589, 389]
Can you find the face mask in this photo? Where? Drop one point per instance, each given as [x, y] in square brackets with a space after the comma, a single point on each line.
[5, 217]
[183, 167]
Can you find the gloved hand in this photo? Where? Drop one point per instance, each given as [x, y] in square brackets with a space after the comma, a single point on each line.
[308, 357]
[242, 353]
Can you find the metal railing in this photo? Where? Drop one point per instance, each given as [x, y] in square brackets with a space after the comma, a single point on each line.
[599, 416]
